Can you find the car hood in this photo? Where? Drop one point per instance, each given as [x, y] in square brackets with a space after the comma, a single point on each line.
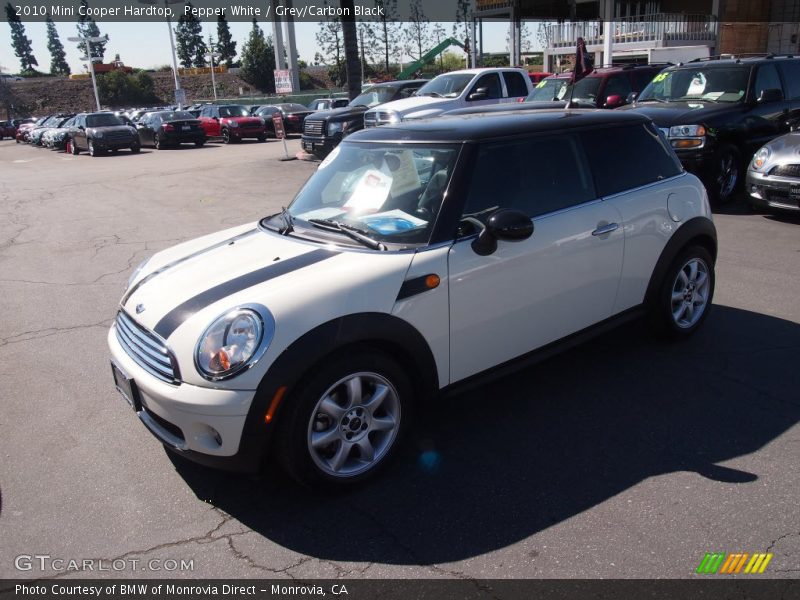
[415, 103]
[783, 150]
[204, 278]
[668, 114]
[338, 114]
[241, 120]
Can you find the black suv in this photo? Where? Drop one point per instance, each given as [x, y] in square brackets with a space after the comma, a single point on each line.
[717, 112]
[100, 132]
[323, 130]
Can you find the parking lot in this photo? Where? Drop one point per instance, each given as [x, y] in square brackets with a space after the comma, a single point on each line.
[626, 457]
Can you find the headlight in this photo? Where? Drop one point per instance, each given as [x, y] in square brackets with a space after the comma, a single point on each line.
[231, 342]
[679, 131]
[336, 127]
[760, 158]
[97, 134]
[393, 117]
[232, 124]
[687, 136]
[136, 272]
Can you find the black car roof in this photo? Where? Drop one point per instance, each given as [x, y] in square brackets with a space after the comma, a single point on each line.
[483, 126]
[713, 62]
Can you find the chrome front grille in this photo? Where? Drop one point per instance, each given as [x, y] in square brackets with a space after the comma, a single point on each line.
[313, 127]
[146, 348]
[369, 119]
[378, 118]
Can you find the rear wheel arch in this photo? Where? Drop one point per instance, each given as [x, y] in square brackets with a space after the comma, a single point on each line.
[699, 231]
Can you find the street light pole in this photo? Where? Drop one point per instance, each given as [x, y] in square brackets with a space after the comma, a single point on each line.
[87, 42]
[212, 55]
[178, 95]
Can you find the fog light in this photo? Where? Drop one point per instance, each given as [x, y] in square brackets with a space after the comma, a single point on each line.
[217, 437]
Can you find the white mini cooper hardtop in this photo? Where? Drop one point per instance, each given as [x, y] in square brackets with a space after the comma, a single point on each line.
[418, 258]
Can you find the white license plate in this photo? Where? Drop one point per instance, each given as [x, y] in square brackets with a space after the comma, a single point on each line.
[186, 128]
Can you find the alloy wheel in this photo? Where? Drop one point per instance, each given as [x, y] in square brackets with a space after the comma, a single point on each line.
[690, 293]
[354, 424]
[728, 175]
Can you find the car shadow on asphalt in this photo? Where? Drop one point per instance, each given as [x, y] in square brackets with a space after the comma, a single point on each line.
[488, 468]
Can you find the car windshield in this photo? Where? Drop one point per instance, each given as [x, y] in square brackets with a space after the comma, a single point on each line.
[177, 115]
[548, 90]
[103, 120]
[374, 96]
[388, 192]
[585, 89]
[446, 86]
[714, 84]
[233, 111]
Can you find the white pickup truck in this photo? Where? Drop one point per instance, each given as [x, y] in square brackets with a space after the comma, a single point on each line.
[457, 89]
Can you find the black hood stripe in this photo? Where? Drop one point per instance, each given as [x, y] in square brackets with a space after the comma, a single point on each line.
[173, 319]
[183, 259]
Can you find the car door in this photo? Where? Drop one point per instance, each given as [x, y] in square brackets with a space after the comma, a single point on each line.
[767, 118]
[529, 293]
[516, 86]
[145, 129]
[79, 133]
[486, 90]
[209, 120]
[790, 70]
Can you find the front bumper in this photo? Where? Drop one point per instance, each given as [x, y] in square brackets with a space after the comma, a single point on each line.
[318, 144]
[203, 424]
[768, 191]
[698, 162]
[247, 132]
[103, 144]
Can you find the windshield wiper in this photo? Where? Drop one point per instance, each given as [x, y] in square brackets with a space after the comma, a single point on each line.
[351, 232]
[288, 222]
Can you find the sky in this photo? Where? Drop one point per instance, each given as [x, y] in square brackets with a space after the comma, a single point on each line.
[146, 45]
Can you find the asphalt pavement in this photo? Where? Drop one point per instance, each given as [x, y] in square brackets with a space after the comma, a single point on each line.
[626, 457]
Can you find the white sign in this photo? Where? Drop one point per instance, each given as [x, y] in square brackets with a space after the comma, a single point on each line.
[283, 81]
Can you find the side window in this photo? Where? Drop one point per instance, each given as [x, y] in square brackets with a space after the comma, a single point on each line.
[618, 85]
[791, 75]
[515, 84]
[204, 112]
[537, 175]
[642, 78]
[490, 81]
[638, 145]
[407, 92]
[767, 79]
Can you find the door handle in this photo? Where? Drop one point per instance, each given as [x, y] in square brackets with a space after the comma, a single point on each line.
[604, 229]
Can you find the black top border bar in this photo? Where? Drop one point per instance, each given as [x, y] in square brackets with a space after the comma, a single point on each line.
[134, 11]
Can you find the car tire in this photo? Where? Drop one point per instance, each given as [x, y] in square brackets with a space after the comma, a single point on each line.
[92, 150]
[136, 148]
[345, 420]
[226, 137]
[157, 143]
[199, 144]
[685, 296]
[726, 175]
[262, 137]
[74, 148]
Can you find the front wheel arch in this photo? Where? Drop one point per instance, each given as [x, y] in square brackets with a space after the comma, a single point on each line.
[389, 334]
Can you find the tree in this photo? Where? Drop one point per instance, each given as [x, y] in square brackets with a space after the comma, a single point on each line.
[461, 26]
[525, 41]
[331, 42]
[117, 88]
[19, 41]
[351, 58]
[225, 44]
[258, 60]
[191, 46]
[418, 31]
[383, 33]
[88, 28]
[58, 60]
[451, 61]
[439, 34]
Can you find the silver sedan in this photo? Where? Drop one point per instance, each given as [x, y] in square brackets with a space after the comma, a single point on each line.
[773, 177]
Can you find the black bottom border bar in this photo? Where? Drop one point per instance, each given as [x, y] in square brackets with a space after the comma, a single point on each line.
[711, 587]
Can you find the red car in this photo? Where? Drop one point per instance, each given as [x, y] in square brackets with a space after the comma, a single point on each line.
[7, 129]
[24, 128]
[231, 122]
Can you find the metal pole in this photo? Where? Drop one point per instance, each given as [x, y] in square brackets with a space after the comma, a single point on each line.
[174, 57]
[91, 70]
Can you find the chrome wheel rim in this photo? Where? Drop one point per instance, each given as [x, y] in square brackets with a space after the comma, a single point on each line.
[354, 424]
[91, 148]
[728, 175]
[690, 292]
[226, 137]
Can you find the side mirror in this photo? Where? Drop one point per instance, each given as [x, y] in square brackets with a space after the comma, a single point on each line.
[503, 224]
[481, 93]
[631, 97]
[770, 95]
[215, 118]
[613, 101]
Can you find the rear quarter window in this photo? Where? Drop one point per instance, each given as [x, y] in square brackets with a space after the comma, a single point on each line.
[627, 157]
[791, 75]
[515, 84]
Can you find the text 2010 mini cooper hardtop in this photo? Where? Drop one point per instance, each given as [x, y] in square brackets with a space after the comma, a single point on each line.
[417, 257]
